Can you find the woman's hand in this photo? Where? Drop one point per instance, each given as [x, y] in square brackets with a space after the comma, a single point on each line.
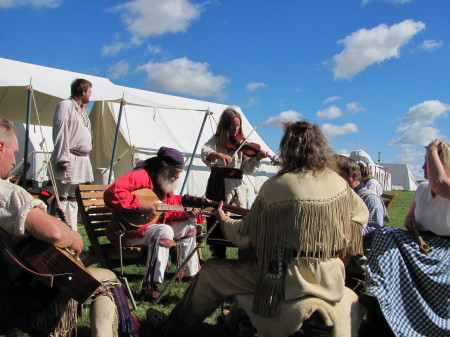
[410, 223]
[214, 156]
[434, 146]
[262, 154]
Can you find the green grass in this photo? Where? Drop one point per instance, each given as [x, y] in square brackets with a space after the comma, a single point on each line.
[210, 327]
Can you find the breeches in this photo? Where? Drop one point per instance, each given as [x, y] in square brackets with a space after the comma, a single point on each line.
[68, 203]
[163, 236]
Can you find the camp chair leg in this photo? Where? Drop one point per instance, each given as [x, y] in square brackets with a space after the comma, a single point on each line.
[122, 277]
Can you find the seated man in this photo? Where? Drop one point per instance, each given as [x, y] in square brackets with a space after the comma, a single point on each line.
[26, 303]
[158, 174]
[349, 169]
[300, 222]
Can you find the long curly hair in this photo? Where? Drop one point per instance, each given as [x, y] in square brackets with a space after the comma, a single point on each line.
[304, 147]
[225, 122]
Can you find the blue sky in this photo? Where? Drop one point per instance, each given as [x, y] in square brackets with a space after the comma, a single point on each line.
[374, 74]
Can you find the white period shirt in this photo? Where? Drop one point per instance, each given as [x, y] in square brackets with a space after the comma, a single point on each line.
[71, 131]
[15, 204]
[431, 213]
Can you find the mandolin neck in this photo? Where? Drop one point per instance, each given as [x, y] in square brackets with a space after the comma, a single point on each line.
[165, 207]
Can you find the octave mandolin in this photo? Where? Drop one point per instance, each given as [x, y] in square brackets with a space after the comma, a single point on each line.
[135, 219]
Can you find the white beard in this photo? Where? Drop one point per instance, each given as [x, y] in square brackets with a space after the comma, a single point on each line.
[166, 184]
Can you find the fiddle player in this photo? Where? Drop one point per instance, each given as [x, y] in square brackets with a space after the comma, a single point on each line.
[300, 221]
[27, 305]
[159, 174]
[226, 182]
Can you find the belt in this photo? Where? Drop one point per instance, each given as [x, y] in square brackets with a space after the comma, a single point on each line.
[230, 173]
[78, 153]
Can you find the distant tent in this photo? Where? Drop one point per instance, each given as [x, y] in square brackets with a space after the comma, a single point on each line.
[378, 171]
[402, 177]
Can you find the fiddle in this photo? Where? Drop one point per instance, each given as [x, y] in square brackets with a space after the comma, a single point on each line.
[238, 143]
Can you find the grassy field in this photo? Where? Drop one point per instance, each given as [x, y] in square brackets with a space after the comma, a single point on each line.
[210, 326]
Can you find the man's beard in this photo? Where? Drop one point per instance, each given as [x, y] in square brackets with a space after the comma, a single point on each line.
[166, 183]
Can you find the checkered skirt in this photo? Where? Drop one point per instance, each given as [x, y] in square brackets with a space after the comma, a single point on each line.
[413, 289]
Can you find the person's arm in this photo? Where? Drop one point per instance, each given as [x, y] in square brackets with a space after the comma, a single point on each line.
[49, 229]
[231, 229]
[119, 197]
[438, 178]
[410, 220]
[61, 149]
[377, 213]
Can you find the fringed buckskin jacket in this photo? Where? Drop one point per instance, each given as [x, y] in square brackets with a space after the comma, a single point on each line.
[297, 226]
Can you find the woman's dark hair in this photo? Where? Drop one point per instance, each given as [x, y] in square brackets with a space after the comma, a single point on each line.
[304, 148]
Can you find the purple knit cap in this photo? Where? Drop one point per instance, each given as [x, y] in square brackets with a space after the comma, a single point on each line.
[171, 156]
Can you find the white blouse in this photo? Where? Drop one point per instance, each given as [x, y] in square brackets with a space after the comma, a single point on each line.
[431, 213]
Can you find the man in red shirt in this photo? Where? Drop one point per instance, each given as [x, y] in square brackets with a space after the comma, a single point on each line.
[158, 174]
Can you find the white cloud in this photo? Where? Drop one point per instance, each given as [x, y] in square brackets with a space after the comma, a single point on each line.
[355, 107]
[253, 102]
[331, 99]
[416, 135]
[410, 155]
[255, 85]
[114, 48]
[417, 172]
[333, 131]
[154, 49]
[31, 3]
[330, 112]
[424, 113]
[184, 76]
[284, 117]
[417, 126]
[369, 46]
[431, 45]
[145, 18]
[119, 70]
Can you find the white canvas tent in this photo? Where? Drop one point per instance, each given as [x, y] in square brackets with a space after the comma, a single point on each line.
[402, 177]
[171, 121]
[49, 86]
[39, 152]
[29, 93]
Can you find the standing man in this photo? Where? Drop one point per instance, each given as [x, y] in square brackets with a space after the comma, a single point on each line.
[72, 141]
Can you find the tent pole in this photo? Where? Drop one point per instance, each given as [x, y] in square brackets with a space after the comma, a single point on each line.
[207, 113]
[27, 135]
[111, 167]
